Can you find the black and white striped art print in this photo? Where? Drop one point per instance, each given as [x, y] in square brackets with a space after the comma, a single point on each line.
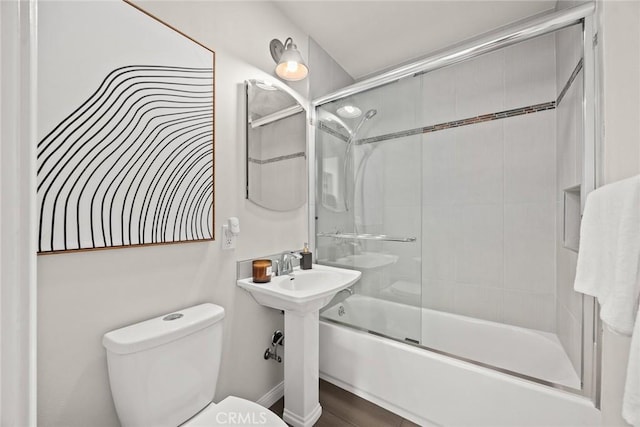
[131, 162]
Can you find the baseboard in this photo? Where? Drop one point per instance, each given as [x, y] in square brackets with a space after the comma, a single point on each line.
[272, 396]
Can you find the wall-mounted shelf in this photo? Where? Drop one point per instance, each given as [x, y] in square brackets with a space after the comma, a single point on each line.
[378, 237]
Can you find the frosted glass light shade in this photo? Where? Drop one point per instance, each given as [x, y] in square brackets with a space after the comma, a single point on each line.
[291, 66]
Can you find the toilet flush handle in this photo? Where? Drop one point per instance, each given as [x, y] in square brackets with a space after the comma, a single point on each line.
[172, 316]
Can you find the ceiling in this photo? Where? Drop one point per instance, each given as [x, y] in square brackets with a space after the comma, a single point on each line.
[366, 37]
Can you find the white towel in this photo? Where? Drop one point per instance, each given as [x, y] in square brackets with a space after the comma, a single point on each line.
[609, 269]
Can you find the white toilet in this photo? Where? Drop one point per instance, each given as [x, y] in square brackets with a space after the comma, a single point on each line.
[163, 372]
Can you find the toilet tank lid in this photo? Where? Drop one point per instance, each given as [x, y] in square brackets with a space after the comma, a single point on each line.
[162, 329]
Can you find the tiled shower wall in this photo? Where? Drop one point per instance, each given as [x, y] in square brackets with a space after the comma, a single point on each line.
[488, 189]
[569, 136]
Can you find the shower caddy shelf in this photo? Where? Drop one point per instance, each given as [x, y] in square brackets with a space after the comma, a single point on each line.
[378, 237]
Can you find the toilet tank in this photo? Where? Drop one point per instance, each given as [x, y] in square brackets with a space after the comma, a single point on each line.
[164, 370]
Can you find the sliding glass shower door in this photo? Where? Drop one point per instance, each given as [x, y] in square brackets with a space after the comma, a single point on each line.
[456, 193]
[369, 207]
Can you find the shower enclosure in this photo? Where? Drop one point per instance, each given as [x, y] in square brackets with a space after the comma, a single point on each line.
[457, 191]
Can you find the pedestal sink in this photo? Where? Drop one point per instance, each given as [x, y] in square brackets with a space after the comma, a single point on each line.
[301, 295]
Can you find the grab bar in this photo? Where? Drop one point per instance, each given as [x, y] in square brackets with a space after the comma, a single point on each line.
[379, 237]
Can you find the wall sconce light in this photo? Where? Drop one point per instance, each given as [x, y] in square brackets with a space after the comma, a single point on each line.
[290, 64]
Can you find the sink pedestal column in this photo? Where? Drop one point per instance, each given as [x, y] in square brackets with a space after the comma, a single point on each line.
[301, 295]
[301, 368]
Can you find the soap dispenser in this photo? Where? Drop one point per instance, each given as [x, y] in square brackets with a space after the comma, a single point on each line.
[305, 261]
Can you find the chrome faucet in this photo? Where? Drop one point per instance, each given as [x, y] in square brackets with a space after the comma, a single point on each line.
[285, 264]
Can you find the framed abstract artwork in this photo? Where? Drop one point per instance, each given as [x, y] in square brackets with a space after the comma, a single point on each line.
[125, 151]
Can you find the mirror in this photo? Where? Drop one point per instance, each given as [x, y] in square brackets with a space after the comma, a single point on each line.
[276, 147]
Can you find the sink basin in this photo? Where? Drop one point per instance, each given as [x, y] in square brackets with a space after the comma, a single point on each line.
[303, 290]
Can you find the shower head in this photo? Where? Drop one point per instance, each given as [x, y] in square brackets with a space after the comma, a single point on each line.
[369, 114]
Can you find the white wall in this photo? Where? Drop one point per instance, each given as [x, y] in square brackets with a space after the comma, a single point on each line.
[619, 33]
[328, 75]
[83, 295]
[243, 28]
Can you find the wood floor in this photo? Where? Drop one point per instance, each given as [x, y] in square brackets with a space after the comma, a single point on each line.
[343, 409]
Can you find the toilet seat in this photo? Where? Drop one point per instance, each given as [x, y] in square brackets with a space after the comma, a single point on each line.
[235, 412]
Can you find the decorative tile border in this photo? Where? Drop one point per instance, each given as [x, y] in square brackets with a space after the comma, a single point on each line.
[332, 131]
[566, 87]
[277, 159]
[465, 122]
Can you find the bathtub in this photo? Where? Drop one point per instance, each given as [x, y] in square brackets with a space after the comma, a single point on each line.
[433, 389]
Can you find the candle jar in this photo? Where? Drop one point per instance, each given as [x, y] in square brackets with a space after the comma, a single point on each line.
[261, 270]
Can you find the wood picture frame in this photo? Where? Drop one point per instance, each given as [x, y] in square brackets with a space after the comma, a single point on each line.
[126, 129]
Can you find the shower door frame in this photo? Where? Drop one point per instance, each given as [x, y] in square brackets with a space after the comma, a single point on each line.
[494, 40]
